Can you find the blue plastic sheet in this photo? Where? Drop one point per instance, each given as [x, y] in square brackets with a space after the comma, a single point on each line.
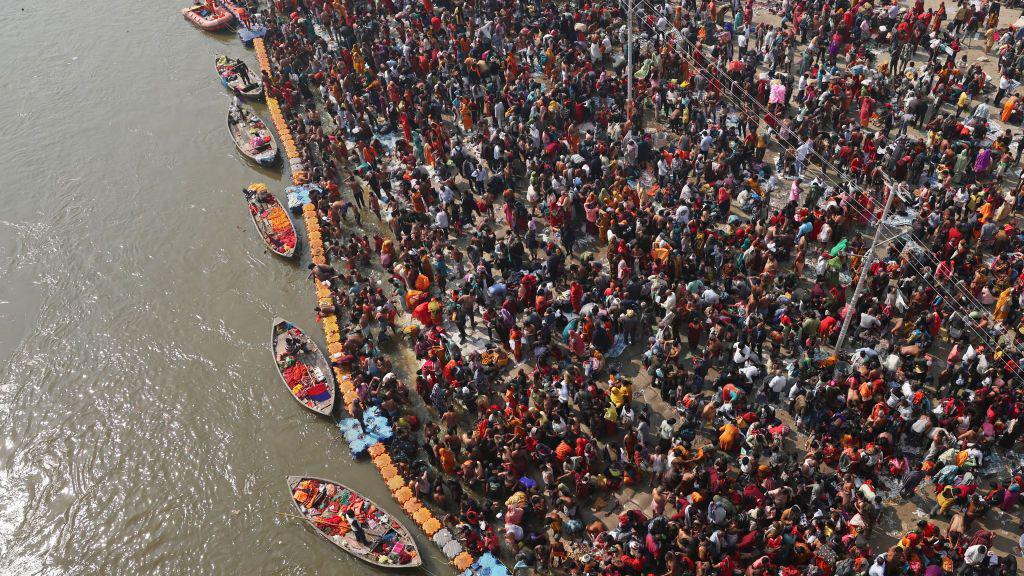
[247, 35]
[361, 435]
[377, 425]
[486, 565]
[298, 196]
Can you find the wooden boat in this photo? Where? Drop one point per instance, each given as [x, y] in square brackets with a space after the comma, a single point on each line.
[389, 543]
[271, 220]
[210, 17]
[305, 371]
[232, 80]
[251, 135]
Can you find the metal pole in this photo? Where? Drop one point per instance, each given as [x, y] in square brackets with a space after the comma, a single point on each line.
[629, 54]
[851, 308]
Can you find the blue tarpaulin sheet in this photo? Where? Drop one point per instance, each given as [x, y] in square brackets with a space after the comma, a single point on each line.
[298, 196]
[247, 35]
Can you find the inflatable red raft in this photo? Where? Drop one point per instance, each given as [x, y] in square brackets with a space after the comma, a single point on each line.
[209, 16]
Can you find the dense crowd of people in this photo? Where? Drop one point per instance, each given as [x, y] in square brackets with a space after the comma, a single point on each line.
[605, 292]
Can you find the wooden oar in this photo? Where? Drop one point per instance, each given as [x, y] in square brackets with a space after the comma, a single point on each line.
[297, 517]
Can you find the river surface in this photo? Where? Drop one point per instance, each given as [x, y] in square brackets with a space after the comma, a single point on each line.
[144, 427]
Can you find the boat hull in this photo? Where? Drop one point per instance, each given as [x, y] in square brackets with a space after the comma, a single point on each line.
[220, 20]
[349, 544]
[255, 206]
[314, 359]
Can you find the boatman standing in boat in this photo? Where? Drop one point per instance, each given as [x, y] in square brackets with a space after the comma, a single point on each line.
[295, 346]
[357, 527]
[242, 69]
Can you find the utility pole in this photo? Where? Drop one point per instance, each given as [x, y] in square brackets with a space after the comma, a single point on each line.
[864, 270]
[629, 55]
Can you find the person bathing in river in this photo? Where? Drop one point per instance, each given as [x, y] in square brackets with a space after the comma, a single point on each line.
[322, 272]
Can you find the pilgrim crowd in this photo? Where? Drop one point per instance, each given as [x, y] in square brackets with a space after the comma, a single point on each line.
[640, 288]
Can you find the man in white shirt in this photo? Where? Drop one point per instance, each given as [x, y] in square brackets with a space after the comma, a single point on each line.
[480, 177]
[441, 220]
[1004, 85]
[868, 322]
[878, 568]
[778, 383]
[499, 114]
[709, 297]
[801, 156]
[447, 195]
[705, 142]
[667, 429]
[669, 303]
[740, 353]
[750, 371]
[975, 555]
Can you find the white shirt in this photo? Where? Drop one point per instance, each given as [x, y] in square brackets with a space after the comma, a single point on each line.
[710, 296]
[446, 195]
[982, 364]
[867, 321]
[804, 150]
[892, 362]
[740, 355]
[515, 531]
[683, 214]
[750, 371]
[975, 554]
[670, 301]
